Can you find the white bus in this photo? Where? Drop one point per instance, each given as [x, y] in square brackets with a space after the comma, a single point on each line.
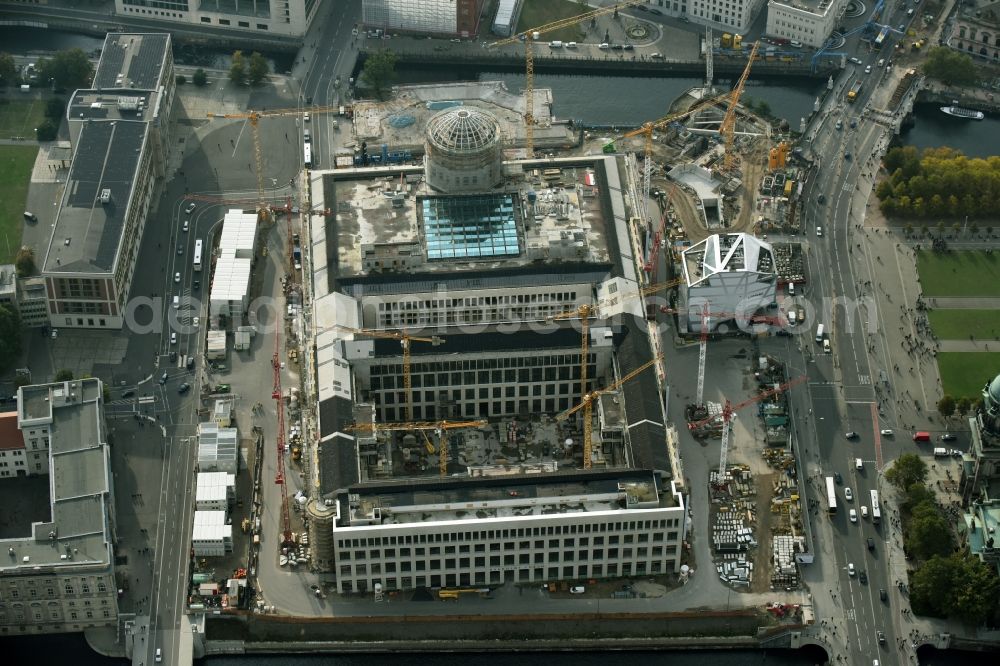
[831, 495]
[876, 511]
[307, 155]
[197, 255]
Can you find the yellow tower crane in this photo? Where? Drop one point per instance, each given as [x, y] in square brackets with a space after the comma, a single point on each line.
[647, 131]
[587, 404]
[728, 127]
[404, 340]
[254, 117]
[528, 37]
[438, 426]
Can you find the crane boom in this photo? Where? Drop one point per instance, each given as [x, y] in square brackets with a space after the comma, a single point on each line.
[528, 37]
[728, 127]
[286, 525]
[419, 425]
[404, 340]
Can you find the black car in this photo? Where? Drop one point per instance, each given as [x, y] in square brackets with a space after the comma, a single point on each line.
[183, 388]
[883, 595]
[838, 478]
[851, 435]
[871, 544]
[629, 47]
[881, 637]
[654, 10]
[190, 363]
[821, 198]
[947, 437]
[128, 394]
[863, 577]
[180, 249]
[196, 284]
[173, 356]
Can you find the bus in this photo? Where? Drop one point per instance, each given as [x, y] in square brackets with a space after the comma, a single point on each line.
[307, 155]
[197, 255]
[831, 495]
[876, 510]
[880, 39]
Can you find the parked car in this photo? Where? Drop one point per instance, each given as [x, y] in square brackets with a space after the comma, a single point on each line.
[577, 589]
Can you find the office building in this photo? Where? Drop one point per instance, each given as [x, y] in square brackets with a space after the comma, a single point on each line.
[119, 134]
[232, 18]
[723, 15]
[975, 31]
[810, 22]
[57, 572]
[460, 18]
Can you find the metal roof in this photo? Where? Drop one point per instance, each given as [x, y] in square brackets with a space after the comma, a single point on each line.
[463, 130]
[132, 60]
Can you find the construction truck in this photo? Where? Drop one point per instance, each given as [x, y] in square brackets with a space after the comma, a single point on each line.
[852, 94]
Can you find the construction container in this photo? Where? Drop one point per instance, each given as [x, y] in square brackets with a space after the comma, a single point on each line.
[727, 40]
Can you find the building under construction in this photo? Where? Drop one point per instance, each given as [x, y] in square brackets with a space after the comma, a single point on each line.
[480, 335]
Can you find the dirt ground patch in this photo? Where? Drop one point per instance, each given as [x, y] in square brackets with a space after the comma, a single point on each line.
[762, 555]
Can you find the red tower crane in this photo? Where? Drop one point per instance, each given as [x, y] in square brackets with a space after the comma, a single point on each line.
[286, 524]
[729, 410]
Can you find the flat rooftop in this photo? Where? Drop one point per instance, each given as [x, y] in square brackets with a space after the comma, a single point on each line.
[516, 497]
[78, 530]
[132, 60]
[121, 105]
[424, 231]
[818, 7]
[88, 231]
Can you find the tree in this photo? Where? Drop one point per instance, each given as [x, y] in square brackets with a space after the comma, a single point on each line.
[200, 78]
[24, 262]
[8, 70]
[946, 405]
[958, 586]
[54, 109]
[908, 228]
[64, 375]
[238, 70]
[963, 405]
[945, 64]
[10, 336]
[258, 69]
[66, 69]
[379, 71]
[930, 586]
[907, 470]
[180, 79]
[928, 533]
[47, 131]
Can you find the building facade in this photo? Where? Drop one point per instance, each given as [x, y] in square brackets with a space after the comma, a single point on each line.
[976, 32]
[440, 17]
[729, 15]
[58, 575]
[289, 18]
[512, 532]
[810, 23]
[119, 132]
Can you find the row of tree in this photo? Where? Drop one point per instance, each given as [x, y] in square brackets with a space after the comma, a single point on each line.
[949, 582]
[948, 406]
[950, 66]
[939, 182]
[250, 71]
[66, 70]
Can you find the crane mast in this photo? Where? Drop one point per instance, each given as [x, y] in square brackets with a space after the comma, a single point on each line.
[286, 524]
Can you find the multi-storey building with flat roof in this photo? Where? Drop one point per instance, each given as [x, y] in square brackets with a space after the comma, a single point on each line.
[289, 18]
[734, 16]
[438, 17]
[807, 21]
[119, 134]
[57, 573]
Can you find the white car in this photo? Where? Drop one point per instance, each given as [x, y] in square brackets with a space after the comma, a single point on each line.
[887, 432]
[305, 117]
[190, 208]
[868, 69]
[855, 60]
[854, 516]
[819, 231]
[186, 223]
[196, 321]
[576, 589]
[848, 495]
[177, 277]
[173, 338]
[850, 569]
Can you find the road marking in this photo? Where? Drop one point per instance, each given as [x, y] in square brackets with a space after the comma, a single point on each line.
[850, 615]
[864, 379]
[847, 187]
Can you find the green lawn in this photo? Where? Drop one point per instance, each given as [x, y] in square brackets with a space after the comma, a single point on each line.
[16, 163]
[537, 13]
[20, 116]
[965, 373]
[972, 273]
[960, 324]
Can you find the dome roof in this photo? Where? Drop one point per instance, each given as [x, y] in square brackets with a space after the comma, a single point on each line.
[994, 390]
[463, 130]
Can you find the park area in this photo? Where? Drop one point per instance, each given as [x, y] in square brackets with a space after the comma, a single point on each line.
[959, 274]
[963, 374]
[962, 324]
[16, 163]
[20, 116]
[537, 13]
